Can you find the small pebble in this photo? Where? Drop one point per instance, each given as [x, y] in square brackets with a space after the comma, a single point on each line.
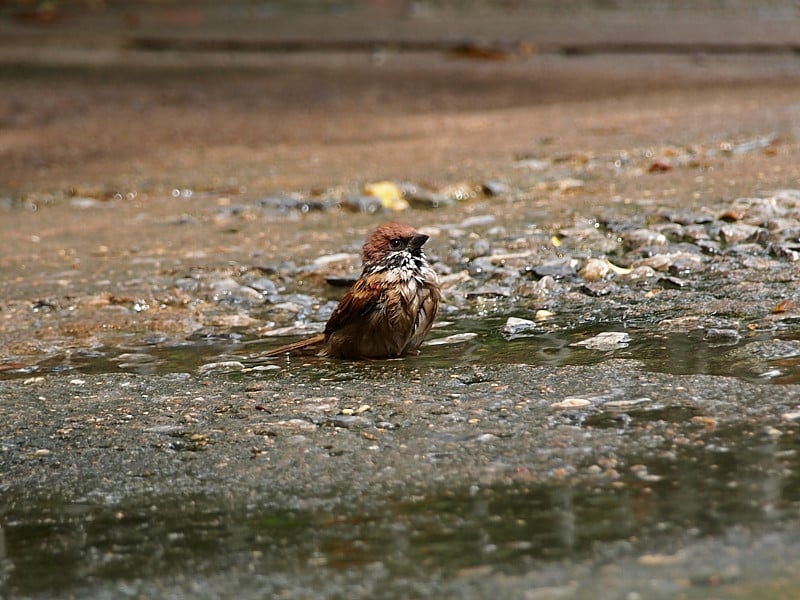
[558, 269]
[456, 338]
[221, 367]
[595, 269]
[516, 325]
[626, 404]
[571, 403]
[607, 340]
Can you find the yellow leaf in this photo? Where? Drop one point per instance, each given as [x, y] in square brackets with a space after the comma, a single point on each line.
[388, 193]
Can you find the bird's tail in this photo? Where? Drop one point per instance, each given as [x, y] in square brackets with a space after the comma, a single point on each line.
[294, 347]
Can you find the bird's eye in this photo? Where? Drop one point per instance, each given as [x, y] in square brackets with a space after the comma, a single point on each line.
[396, 244]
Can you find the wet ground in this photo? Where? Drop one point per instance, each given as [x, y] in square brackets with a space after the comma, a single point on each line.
[610, 405]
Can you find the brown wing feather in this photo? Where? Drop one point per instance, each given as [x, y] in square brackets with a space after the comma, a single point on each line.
[355, 305]
[294, 346]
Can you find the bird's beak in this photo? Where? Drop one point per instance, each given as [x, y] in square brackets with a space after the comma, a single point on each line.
[416, 242]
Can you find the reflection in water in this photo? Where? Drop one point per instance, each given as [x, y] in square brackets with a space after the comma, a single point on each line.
[738, 476]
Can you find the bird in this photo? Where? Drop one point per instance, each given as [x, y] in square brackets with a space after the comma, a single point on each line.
[389, 310]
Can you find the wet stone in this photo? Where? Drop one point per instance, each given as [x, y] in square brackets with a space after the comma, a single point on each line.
[657, 262]
[607, 340]
[515, 326]
[641, 238]
[745, 249]
[709, 246]
[230, 291]
[568, 403]
[362, 203]
[495, 188]
[684, 264]
[187, 284]
[424, 199]
[535, 289]
[210, 335]
[557, 269]
[722, 337]
[227, 366]
[456, 338]
[481, 266]
[791, 252]
[686, 218]
[767, 350]
[672, 283]
[694, 233]
[290, 203]
[732, 233]
[348, 422]
[477, 221]
[597, 289]
[595, 269]
[481, 247]
[263, 285]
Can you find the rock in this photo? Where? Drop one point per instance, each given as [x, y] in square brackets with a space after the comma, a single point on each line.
[230, 291]
[674, 283]
[515, 326]
[626, 404]
[362, 204]
[607, 340]
[456, 338]
[684, 264]
[639, 238]
[596, 289]
[536, 289]
[557, 269]
[291, 203]
[657, 262]
[425, 199]
[571, 403]
[595, 269]
[709, 246]
[495, 188]
[695, 232]
[477, 221]
[722, 337]
[263, 285]
[733, 233]
[482, 265]
[226, 366]
[481, 247]
[533, 164]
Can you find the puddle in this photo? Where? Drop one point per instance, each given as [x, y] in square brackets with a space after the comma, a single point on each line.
[51, 543]
[775, 358]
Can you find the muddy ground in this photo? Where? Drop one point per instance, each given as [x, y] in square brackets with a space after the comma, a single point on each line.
[162, 214]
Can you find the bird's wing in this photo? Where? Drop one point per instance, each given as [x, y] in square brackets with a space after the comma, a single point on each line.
[357, 304]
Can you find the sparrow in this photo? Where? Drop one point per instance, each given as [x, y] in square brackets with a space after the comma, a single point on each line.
[390, 308]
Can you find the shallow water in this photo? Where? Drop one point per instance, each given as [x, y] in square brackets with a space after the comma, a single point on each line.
[678, 353]
[115, 543]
